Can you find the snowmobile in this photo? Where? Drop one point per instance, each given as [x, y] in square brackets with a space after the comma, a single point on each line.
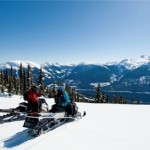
[41, 123]
[20, 112]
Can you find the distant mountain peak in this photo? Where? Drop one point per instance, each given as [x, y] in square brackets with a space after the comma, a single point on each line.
[145, 56]
[135, 63]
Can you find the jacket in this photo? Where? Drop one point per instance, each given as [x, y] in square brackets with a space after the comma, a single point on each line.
[33, 96]
[65, 100]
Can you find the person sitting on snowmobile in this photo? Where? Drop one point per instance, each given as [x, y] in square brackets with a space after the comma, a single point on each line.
[33, 99]
[62, 101]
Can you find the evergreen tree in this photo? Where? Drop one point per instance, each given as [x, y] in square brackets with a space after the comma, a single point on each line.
[15, 84]
[24, 81]
[98, 97]
[2, 81]
[10, 82]
[21, 78]
[5, 78]
[40, 80]
[11, 71]
[1, 77]
[29, 77]
[9, 87]
[6, 75]
[21, 71]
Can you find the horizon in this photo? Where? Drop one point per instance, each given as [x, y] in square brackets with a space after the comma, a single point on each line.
[72, 32]
[129, 59]
[30, 61]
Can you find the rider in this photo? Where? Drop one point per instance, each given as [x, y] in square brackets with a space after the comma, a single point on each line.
[33, 99]
[62, 97]
[62, 101]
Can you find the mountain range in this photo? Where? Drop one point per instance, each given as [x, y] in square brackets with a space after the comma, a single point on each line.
[130, 77]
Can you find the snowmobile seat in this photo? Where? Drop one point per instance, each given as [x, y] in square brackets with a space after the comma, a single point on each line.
[57, 108]
[23, 107]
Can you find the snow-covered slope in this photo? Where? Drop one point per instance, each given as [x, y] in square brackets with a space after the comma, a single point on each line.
[16, 65]
[106, 127]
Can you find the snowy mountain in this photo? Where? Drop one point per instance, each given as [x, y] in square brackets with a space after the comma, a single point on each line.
[51, 72]
[106, 127]
[131, 64]
[128, 75]
[135, 63]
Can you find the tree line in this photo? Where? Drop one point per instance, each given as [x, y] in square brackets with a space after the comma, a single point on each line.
[14, 84]
[19, 84]
[100, 97]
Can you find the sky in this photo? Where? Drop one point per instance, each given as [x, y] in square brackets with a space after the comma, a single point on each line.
[105, 126]
[71, 32]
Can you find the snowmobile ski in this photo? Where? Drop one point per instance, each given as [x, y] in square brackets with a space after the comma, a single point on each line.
[7, 110]
[13, 114]
[12, 117]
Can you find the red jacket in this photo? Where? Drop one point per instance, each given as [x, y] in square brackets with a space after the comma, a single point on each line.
[33, 96]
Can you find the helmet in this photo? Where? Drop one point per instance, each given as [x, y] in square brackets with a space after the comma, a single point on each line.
[60, 88]
[34, 88]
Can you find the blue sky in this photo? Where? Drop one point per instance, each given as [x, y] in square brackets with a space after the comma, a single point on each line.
[74, 31]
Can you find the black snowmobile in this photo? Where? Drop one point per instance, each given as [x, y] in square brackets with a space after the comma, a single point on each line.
[40, 123]
[20, 112]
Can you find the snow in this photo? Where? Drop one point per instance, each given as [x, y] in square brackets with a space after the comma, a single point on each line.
[16, 65]
[131, 63]
[59, 72]
[102, 84]
[26, 63]
[105, 127]
[135, 63]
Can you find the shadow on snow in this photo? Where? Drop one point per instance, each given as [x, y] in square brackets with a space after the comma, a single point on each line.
[17, 139]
